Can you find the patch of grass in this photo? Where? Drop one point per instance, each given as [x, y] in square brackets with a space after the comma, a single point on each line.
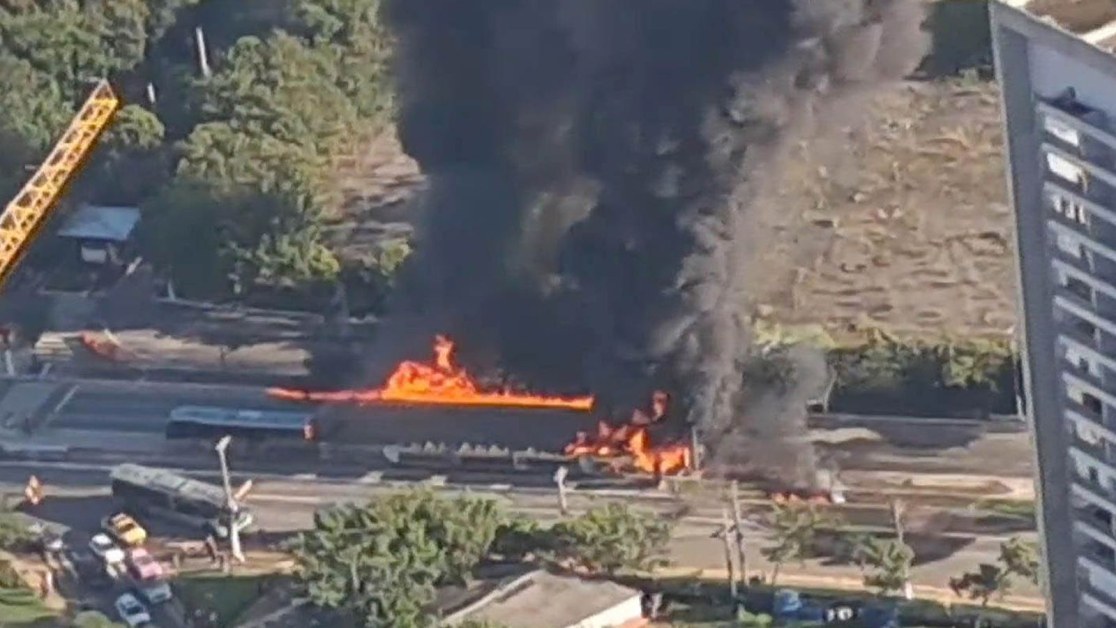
[20, 607]
[1009, 508]
[222, 598]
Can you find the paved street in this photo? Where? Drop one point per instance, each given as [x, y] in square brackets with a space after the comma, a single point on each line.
[143, 410]
[131, 416]
[80, 498]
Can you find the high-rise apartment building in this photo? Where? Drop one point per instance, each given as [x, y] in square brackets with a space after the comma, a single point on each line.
[1058, 79]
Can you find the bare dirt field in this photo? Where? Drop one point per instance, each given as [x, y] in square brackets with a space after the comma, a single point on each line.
[900, 223]
[907, 224]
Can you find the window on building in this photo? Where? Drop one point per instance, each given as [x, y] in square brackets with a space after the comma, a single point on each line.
[1062, 131]
[1092, 403]
[1071, 209]
[1079, 361]
[1079, 288]
[1072, 247]
[1066, 170]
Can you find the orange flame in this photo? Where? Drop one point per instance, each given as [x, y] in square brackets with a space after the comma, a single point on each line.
[633, 442]
[441, 383]
[802, 497]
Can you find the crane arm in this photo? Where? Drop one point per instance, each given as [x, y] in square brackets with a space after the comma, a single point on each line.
[27, 212]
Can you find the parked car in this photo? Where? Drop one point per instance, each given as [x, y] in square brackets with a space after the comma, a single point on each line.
[125, 529]
[132, 611]
[142, 565]
[90, 569]
[106, 549]
[154, 591]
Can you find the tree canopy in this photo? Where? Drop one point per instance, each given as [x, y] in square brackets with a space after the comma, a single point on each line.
[380, 563]
[239, 152]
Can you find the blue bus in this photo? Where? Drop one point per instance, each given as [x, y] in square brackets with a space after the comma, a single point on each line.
[204, 422]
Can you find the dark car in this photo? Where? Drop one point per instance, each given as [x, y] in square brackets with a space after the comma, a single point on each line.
[90, 569]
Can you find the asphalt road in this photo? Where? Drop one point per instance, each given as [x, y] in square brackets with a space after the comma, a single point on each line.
[124, 408]
[114, 414]
[79, 499]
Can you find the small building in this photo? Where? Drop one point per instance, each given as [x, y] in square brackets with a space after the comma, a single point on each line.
[102, 234]
[540, 599]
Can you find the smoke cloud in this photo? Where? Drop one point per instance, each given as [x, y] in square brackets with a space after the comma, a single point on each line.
[598, 179]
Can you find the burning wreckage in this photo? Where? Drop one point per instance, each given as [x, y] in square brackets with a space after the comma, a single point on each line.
[648, 445]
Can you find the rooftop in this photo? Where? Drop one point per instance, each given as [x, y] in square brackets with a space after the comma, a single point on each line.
[1092, 20]
[541, 599]
[95, 222]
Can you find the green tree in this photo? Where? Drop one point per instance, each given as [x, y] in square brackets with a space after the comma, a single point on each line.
[983, 584]
[14, 533]
[75, 43]
[1017, 559]
[612, 538]
[93, 619]
[35, 112]
[1021, 559]
[281, 88]
[180, 233]
[129, 164]
[353, 32]
[885, 563]
[520, 538]
[380, 562]
[794, 530]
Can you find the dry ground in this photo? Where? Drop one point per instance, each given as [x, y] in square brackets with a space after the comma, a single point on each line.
[901, 223]
[907, 224]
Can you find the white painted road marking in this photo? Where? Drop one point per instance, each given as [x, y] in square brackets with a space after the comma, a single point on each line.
[62, 403]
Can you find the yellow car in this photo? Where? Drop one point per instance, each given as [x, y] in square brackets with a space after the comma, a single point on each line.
[126, 530]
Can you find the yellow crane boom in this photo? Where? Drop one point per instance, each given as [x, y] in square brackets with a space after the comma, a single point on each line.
[27, 212]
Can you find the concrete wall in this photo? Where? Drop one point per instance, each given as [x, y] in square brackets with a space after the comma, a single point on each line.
[621, 615]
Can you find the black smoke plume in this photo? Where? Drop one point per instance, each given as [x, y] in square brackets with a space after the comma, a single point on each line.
[598, 174]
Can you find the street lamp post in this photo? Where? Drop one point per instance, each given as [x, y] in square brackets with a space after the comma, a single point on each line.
[234, 531]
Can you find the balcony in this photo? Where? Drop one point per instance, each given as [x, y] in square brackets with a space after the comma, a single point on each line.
[1085, 345]
[1093, 491]
[1078, 412]
[1073, 122]
[1097, 599]
[1099, 562]
[1095, 528]
[1065, 228]
[1093, 387]
[1083, 311]
[1093, 209]
[1093, 170]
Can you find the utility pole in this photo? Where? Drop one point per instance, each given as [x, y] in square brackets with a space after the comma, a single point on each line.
[898, 510]
[233, 508]
[203, 53]
[726, 530]
[738, 527]
[695, 448]
[560, 480]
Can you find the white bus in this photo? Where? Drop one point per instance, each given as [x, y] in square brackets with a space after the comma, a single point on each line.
[161, 493]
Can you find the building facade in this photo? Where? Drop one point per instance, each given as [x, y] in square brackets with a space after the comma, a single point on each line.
[1059, 102]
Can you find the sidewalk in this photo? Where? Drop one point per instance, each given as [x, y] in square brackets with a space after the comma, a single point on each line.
[791, 578]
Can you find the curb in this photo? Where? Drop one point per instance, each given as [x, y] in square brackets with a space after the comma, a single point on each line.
[123, 382]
